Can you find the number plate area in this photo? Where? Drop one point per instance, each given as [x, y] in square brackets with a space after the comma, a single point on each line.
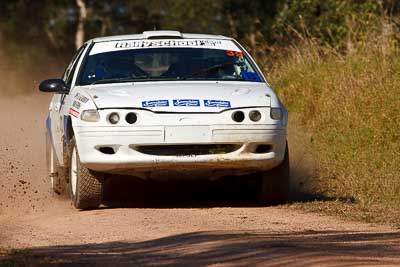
[187, 134]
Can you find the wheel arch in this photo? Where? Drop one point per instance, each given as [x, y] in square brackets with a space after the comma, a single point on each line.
[68, 129]
[67, 136]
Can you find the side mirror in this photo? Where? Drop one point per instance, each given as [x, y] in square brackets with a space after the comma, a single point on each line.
[57, 86]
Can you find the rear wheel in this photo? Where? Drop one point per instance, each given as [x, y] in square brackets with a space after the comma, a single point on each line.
[274, 186]
[57, 183]
[86, 186]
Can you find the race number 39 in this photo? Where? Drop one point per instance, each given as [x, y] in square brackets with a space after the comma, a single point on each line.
[234, 53]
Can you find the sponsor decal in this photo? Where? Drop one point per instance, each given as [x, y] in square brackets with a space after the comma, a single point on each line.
[186, 102]
[74, 112]
[217, 103]
[167, 43]
[81, 98]
[230, 53]
[155, 103]
[76, 104]
[103, 47]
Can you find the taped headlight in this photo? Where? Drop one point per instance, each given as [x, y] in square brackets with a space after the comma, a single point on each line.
[238, 116]
[131, 118]
[276, 113]
[91, 115]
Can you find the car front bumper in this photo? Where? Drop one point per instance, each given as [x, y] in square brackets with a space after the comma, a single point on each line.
[125, 158]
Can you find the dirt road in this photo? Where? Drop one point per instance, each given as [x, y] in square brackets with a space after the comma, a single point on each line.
[184, 225]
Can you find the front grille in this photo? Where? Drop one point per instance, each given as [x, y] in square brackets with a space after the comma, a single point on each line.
[187, 150]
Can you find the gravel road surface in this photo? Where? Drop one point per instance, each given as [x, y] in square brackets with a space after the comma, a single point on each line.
[184, 224]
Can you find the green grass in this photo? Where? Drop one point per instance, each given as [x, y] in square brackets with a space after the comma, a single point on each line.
[350, 107]
[352, 211]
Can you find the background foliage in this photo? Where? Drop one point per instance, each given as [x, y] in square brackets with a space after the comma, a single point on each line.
[276, 22]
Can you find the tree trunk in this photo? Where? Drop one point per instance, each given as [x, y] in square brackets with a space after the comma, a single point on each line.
[232, 25]
[80, 31]
[1, 47]
[252, 37]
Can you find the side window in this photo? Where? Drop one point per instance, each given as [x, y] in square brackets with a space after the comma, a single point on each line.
[69, 72]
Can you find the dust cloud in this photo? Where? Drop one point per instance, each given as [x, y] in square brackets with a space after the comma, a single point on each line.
[23, 183]
[303, 171]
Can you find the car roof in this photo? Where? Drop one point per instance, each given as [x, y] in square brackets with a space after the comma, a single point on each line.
[152, 35]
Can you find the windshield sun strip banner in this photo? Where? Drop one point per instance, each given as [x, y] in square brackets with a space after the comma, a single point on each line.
[103, 47]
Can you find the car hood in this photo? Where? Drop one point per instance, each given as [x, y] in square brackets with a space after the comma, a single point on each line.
[181, 96]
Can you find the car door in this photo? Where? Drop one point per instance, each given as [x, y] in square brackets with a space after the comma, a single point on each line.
[56, 104]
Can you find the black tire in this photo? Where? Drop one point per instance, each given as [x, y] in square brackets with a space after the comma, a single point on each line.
[274, 186]
[88, 192]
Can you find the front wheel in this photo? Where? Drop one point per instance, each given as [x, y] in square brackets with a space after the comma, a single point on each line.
[86, 186]
[274, 186]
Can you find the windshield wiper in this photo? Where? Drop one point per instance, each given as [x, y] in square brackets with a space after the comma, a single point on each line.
[122, 79]
[209, 69]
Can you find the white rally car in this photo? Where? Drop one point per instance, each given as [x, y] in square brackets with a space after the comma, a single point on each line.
[159, 104]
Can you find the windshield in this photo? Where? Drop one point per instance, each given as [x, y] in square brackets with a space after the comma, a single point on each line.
[167, 64]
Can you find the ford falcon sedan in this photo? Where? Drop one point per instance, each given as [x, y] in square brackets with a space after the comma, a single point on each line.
[161, 104]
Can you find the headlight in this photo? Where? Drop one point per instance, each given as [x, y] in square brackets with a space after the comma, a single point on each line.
[91, 115]
[276, 113]
[113, 118]
[238, 116]
[255, 115]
